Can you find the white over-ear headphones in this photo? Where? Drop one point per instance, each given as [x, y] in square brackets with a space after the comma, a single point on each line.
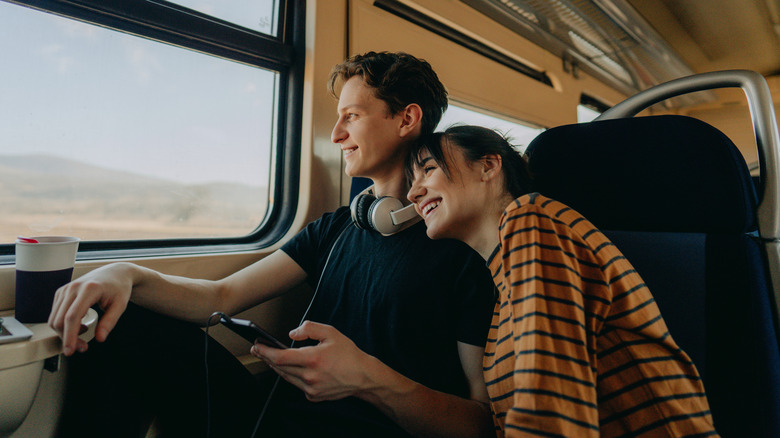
[386, 215]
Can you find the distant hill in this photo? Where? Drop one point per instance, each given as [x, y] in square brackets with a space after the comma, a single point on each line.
[62, 167]
[41, 184]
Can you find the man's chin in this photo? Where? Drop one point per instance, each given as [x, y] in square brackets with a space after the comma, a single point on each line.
[348, 172]
[354, 172]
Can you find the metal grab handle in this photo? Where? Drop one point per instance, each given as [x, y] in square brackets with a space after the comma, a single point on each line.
[764, 126]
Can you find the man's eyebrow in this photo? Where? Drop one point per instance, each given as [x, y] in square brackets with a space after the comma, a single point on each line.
[352, 106]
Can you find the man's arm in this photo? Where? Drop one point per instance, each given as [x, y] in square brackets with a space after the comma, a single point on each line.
[113, 286]
[422, 411]
[335, 368]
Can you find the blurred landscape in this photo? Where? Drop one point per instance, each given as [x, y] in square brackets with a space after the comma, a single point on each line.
[41, 194]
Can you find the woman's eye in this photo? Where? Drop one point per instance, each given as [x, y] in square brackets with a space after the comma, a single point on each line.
[428, 169]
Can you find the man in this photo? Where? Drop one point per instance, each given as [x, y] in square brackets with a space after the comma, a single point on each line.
[396, 329]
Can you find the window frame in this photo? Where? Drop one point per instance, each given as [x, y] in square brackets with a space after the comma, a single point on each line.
[179, 26]
[593, 103]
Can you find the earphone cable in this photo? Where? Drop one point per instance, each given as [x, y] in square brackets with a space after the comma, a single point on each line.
[278, 377]
[305, 314]
[206, 370]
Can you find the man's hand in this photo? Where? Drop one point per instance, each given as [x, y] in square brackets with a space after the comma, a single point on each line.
[336, 368]
[333, 369]
[109, 286]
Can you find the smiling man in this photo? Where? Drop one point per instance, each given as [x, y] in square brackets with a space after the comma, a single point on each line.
[394, 336]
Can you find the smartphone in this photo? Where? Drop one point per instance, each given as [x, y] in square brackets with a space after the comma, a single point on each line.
[250, 331]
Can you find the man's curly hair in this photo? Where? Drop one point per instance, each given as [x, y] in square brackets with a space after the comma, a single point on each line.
[398, 79]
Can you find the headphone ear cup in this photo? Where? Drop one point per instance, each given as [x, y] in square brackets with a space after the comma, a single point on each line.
[379, 218]
[359, 209]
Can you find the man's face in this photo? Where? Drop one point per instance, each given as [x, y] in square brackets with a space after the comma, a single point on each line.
[367, 133]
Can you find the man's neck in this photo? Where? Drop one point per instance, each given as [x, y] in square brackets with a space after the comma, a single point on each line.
[397, 188]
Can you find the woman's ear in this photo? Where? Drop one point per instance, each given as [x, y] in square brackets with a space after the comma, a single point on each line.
[411, 119]
[491, 166]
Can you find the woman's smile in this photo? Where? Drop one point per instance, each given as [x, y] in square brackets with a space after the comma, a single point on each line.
[428, 208]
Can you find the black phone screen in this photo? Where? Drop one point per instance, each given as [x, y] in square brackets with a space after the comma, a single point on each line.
[251, 332]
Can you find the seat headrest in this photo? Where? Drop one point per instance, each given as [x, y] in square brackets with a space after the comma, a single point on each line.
[658, 173]
[359, 184]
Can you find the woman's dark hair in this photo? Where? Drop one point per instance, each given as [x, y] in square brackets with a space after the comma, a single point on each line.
[475, 142]
[398, 79]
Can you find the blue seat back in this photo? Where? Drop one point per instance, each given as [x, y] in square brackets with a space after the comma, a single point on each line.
[358, 185]
[674, 194]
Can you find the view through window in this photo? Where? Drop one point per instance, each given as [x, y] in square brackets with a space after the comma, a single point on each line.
[519, 134]
[108, 136]
[586, 114]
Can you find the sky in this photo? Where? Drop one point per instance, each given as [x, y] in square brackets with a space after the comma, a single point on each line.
[102, 97]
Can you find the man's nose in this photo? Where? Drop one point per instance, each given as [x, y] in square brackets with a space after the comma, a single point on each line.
[339, 134]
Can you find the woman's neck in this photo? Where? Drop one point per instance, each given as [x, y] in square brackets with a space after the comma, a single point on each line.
[484, 239]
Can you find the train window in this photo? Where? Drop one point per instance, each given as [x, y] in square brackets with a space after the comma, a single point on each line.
[586, 114]
[589, 108]
[519, 134]
[119, 139]
[257, 15]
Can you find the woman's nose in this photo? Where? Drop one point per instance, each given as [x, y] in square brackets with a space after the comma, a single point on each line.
[415, 191]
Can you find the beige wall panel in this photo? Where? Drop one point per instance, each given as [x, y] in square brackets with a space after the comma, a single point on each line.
[471, 78]
[732, 116]
[508, 42]
[735, 122]
[321, 160]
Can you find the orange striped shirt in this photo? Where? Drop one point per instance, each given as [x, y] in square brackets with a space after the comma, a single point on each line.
[577, 346]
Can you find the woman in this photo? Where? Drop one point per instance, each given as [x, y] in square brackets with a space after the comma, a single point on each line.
[577, 346]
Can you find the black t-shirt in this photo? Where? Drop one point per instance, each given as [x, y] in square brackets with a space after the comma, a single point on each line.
[405, 299]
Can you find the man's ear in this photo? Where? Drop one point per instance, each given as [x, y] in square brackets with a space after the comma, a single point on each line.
[411, 119]
[491, 166]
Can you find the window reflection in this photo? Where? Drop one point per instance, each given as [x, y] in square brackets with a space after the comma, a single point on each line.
[259, 15]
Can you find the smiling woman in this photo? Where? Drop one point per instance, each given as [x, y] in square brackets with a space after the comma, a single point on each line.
[570, 306]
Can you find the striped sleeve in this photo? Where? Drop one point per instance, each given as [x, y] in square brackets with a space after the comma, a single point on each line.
[549, 329]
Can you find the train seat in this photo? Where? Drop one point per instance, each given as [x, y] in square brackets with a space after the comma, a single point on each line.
[358, 184]
[675, 195]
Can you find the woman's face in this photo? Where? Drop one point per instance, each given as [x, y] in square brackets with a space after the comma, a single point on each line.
[451, 206]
